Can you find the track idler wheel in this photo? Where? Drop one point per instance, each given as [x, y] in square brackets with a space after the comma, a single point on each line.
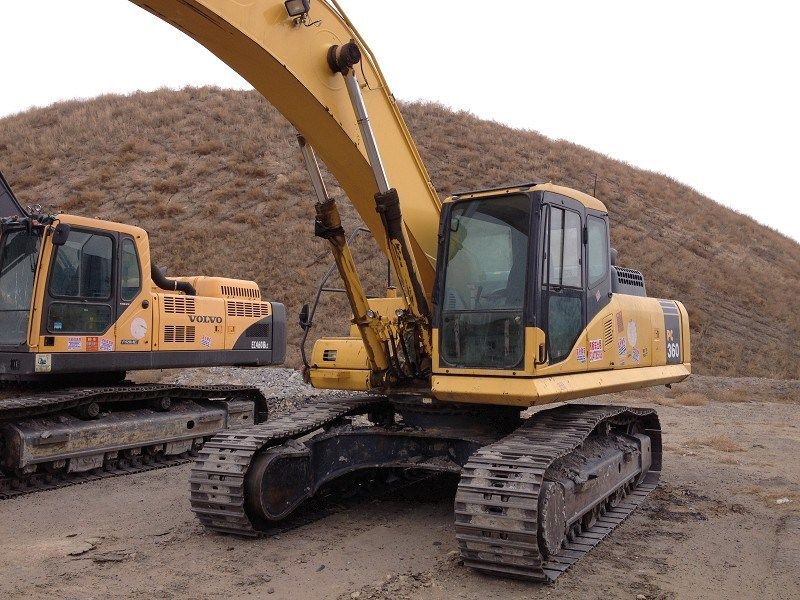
[552, 517]
[278, 481]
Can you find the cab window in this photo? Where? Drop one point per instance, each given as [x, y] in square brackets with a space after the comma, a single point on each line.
[82, 267]
[565, 248]
[130, 272]
[563, 282]
[81, 284]
[485, 281]
[597, 249]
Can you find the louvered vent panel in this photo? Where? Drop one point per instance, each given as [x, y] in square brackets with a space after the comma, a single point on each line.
[630, 277]
[248, 309]
[179, 334]
[608, 333]
[179, 305]
[233, 291]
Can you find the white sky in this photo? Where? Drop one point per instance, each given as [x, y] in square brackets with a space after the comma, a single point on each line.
[706, 92]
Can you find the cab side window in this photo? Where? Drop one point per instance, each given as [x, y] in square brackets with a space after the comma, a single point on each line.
[130, 272]
[565, 248]
[597, 249]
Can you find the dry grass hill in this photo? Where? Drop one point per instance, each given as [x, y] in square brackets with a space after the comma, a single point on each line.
[215, 177]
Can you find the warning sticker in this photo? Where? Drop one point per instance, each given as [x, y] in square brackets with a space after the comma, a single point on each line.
[92, 344]
[74, 343]
[622, 347]
[580, 354]
[106, 345]
[595, 350]
[206, 341]
[635, 354]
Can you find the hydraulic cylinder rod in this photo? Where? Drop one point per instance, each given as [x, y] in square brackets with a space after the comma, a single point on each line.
[341, 60]
[328, 225]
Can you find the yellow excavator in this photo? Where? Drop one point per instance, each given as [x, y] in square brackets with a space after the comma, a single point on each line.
[507, 299]
[81, 305]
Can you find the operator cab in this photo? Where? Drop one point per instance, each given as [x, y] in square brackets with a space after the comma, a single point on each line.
[514, 260]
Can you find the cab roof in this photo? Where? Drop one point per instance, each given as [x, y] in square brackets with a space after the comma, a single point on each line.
[109, 226]
[588, 201]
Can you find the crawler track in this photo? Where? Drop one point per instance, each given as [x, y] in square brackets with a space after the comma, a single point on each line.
[503, 481]
[218, 477]
[117, 398]
[11, 487]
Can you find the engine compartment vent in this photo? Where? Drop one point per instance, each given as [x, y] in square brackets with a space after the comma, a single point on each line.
[179, 334]
[233, 291]
[179, 305]
[248, 309]
[627, 281]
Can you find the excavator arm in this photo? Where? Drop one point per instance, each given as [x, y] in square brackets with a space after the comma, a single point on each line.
[286, 59]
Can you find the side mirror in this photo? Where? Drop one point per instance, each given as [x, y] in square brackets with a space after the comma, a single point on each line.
[614, 257]
[61, 234]
[305, 317]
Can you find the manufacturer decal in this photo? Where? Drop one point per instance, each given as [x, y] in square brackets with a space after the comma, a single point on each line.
[130, 342]
[633, 334]
[635, 355]
[106, 345]
[92, 344]
[622, 347]
[138, 328]
[580, 354]
[206, 341]
[58, 326]
[620, 322]
[74, 343]
[595, 350]
[672, 331]
[673, 347]
[204, 319]
[597, 296]
[259, 345]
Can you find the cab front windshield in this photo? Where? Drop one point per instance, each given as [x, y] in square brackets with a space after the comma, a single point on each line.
[484, 292]
[19, 254]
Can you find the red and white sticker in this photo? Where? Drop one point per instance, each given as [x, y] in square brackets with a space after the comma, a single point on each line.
[595, 350]
[74, 343]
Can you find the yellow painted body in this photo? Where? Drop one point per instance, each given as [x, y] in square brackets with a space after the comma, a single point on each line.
[155, 320]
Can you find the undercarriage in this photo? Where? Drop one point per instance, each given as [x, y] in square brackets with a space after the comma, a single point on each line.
[534, 496]
[60, 438]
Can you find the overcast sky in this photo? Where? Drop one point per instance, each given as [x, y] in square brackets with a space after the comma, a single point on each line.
[706, 92]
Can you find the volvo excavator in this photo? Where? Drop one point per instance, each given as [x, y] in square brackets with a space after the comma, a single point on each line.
[81, 305]
[507, 299]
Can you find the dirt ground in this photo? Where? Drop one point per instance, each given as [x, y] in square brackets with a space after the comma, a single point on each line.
[725, 523]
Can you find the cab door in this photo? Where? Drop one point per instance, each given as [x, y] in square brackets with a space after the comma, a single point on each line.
[562, 309]
[134, 304]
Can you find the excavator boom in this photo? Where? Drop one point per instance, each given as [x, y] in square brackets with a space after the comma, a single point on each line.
[285, 59]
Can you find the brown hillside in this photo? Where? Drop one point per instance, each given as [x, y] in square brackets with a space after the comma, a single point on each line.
[215, 177]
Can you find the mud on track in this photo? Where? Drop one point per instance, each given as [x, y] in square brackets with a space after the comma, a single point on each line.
[719, 526]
